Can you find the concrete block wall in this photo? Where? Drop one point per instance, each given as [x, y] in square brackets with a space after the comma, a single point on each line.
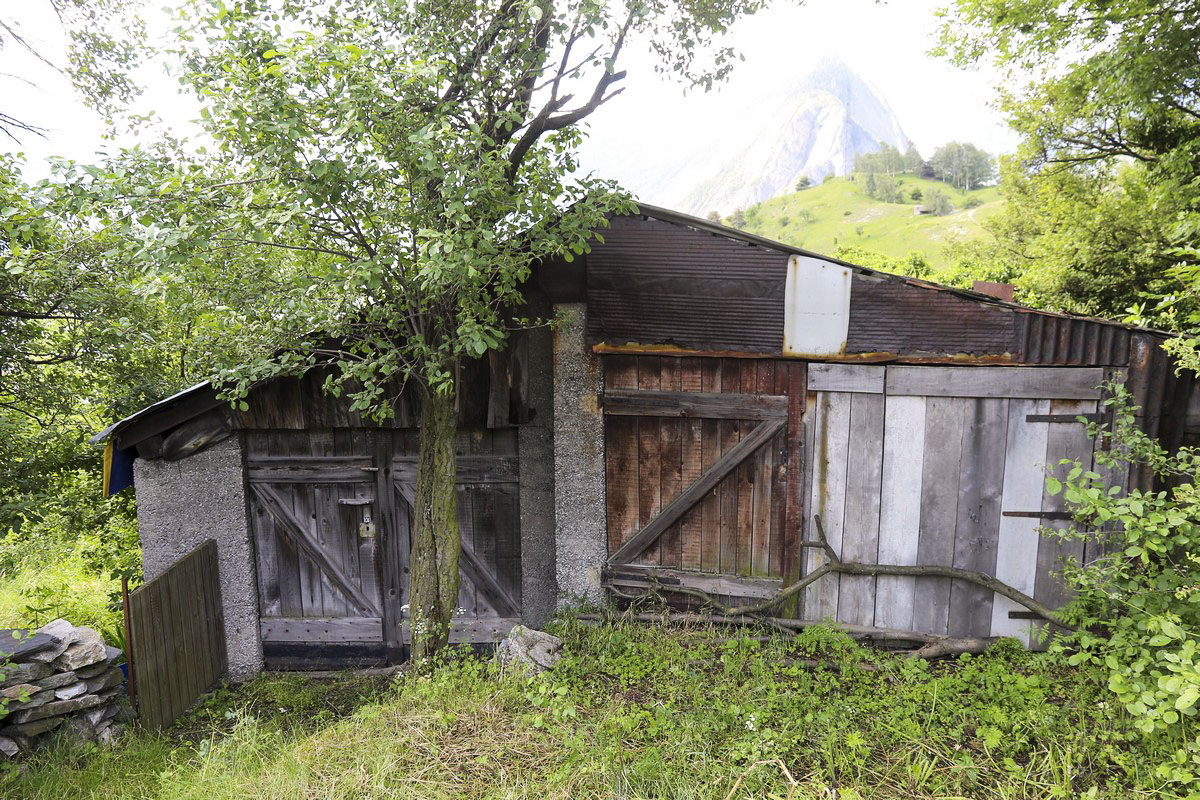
[182, 503]
[581, 543]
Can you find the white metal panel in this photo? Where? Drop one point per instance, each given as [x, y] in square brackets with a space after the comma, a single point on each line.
[816, 307]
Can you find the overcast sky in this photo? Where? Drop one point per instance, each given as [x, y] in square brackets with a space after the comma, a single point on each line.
[886, 43]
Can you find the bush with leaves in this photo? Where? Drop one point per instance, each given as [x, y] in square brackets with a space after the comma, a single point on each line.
[1137, 608]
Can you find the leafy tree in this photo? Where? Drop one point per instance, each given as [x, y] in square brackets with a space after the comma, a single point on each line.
[713, 216]
[395, 170]
[1102, 188]
[938, 202]
[962, 165]
[104, 43]
[802, 183]
[915, 194]
[912, 159]
[738, 219]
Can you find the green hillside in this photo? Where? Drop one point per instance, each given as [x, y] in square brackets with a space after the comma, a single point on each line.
[838, 213]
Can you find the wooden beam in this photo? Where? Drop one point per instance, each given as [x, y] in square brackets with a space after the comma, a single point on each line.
[845, 378]
[694, 493]
[480, 630]
[471, 469]
[643, 577]
[705, 405]
[472, 567]
[1030, 383]
[321, 629]
[303, 539]
[153, 421]
[1063, 418]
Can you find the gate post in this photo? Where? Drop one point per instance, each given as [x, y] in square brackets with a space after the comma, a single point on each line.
[580, 517]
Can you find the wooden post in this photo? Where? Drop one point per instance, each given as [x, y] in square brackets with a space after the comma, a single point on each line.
[128, 643]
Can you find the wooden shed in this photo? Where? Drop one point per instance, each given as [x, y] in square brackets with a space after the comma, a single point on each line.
[711, 396]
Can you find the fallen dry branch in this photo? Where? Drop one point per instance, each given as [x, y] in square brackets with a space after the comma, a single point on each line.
[834, 564]
[932, 645]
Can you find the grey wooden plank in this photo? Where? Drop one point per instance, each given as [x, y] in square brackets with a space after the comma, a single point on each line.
[1017, 538]
[304, 540]
[474, 631]
[985, 437]
[860, 536]
[900, 507]
[321, 629]
[1062, 442]
[266, 559]
[328, 524]
[694, 493]
[1067, 383]
[700, 405]
[830, 443]
[846, 378]
[472, 468]
[940, 477]
[464, 506]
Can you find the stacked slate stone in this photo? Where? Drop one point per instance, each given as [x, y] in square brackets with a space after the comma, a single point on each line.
[58, 677]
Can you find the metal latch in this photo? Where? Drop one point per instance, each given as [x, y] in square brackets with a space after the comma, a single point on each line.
[366, 530]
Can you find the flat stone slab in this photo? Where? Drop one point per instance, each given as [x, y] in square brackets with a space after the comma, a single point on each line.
[99, 714]
[19, 645]
[24, 673]
[57, 708]
[42, 697]
[88, 648]
[8, 746]
[111, 679]
[32, 728]
[14, 693]
[112, 655]
[71, 690]
[63, 632]
[57, 680]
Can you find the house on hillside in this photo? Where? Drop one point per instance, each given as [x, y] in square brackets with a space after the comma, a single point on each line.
[713, 395]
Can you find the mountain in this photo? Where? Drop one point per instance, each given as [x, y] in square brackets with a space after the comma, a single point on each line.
[820, 121]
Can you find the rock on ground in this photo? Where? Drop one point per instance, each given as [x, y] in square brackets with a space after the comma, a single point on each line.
[62, 632]
[535, 650]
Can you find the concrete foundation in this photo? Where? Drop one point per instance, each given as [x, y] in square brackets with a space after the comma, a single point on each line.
[182, 503]
[581, 542]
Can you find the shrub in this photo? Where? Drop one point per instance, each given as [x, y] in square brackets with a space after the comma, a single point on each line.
[1138, 607]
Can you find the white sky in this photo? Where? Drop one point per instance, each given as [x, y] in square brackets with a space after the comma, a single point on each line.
[653, 121]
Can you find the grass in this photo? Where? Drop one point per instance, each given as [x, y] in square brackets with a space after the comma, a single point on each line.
[837, 213]
[639, 712]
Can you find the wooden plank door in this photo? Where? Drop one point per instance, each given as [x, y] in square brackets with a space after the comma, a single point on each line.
[317, 533]
[487, 501]
[696, 462]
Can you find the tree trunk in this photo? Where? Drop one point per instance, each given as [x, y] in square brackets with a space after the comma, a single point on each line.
[433, 580]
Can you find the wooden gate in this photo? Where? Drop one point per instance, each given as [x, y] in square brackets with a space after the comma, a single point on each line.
[177, 633]
[331, 514]
[698, 456]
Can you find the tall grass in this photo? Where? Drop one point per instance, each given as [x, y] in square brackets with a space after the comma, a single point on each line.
[637, 712]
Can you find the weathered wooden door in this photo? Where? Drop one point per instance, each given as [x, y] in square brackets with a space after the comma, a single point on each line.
[698, 454]
[946, 466]
[320, 535]
[331, 515]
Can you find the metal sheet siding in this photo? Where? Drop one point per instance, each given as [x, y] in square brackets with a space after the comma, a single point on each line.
[653, 282]
[1052, 339]
[890, 316]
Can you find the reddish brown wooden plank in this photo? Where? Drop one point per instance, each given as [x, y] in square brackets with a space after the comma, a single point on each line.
[671, 465]
[746, 477]
[710, 451]
[730, 435]
[621, 479]
[793, 514]
[649, 460]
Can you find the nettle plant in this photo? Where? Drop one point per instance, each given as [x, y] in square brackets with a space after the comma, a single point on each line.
[1137, 608]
